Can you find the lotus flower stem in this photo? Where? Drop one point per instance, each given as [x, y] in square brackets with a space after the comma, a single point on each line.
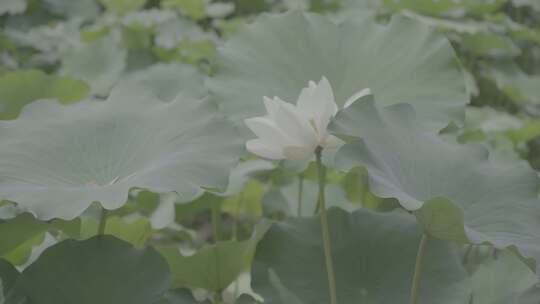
[415, 289]
[102, 221]
[325, 231]
[300, 193]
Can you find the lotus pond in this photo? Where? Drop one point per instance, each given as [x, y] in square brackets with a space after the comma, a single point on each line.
[269, 151]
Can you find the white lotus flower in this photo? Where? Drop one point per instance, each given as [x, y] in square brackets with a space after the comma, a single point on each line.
[294, 132]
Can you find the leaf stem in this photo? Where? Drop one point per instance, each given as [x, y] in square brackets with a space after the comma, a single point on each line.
[325, 231]
[415, 289]
[216, 222]
[102, 221]
[235, 216]
[466, 255]
[300, 193]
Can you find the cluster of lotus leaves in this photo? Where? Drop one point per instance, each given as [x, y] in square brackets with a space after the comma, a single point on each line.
[56, 159]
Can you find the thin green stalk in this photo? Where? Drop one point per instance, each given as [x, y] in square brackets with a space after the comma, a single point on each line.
[102, 221]
[239, 207]
[317, 207]
[300, 193]
[234, 232]
[415, 289]
[325, 231]
[216, 222]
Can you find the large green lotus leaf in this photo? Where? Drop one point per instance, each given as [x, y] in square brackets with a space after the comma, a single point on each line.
[445, 7]
[166, 81]
[374, 256]
[500, 278]
[278, 54]
[517, 85]
[457, 192]
[99, 270]
[56, 160]
[99, 63]
[213, 267]
[21, 87]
